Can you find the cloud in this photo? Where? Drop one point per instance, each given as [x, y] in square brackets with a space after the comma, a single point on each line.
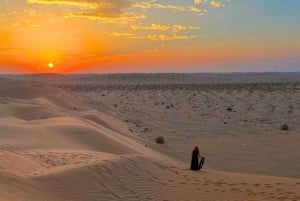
[159, 32]
[82, 4]
[171, 7]
[122, 11]
[213, 3]
[164, 37]
[121, 18]
[133, 13]
[216, 4]
[159, 27]
[126, 35]
[119, 34]
[152, 37]
[197, 2]
[164, 27]
[179, 27]
[110, 11]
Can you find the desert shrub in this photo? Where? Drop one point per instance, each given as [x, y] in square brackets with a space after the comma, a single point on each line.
[160, 140]
[229, 109]
[284, 127]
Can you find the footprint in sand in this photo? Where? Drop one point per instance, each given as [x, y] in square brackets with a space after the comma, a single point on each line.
[164, 184]
[207, 181]
[282, 198]
[296, 198]
[235, 189]
[269, 186]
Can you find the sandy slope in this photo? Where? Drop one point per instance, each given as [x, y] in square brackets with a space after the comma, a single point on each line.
[75, 175]
[235, 120]
[55, 145]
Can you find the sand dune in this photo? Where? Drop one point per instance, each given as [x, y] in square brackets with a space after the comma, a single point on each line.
[76, 175]
[59, 145]
[235, 120]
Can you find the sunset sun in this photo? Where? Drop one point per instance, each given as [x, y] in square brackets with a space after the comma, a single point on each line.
[50, 65]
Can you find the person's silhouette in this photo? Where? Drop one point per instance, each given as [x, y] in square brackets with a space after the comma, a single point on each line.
[195, 164]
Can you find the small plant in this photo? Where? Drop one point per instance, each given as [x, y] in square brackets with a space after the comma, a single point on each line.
[284, 127]
[229, 109]
[160, 140]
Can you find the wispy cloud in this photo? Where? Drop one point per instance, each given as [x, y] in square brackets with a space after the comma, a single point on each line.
[103, 10]
[121, 11]
[216, 4]
[197, 2]
[179, 27]
[101, 17]
[152, 4]
[82, 4]
[133, 14]
[160, 27]
[152, 37]
[213, 3]
[164, 37]
[164, 27]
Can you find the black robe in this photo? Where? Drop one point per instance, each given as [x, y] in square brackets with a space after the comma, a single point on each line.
[195, 160]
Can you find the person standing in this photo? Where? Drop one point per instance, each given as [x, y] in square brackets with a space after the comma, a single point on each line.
[195, 164]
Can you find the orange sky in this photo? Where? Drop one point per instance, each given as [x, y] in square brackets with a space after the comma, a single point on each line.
[136, 36]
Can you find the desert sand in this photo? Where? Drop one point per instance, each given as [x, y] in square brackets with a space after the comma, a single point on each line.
[91, 137]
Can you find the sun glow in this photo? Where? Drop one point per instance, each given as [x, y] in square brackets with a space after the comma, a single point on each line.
[50, 65]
